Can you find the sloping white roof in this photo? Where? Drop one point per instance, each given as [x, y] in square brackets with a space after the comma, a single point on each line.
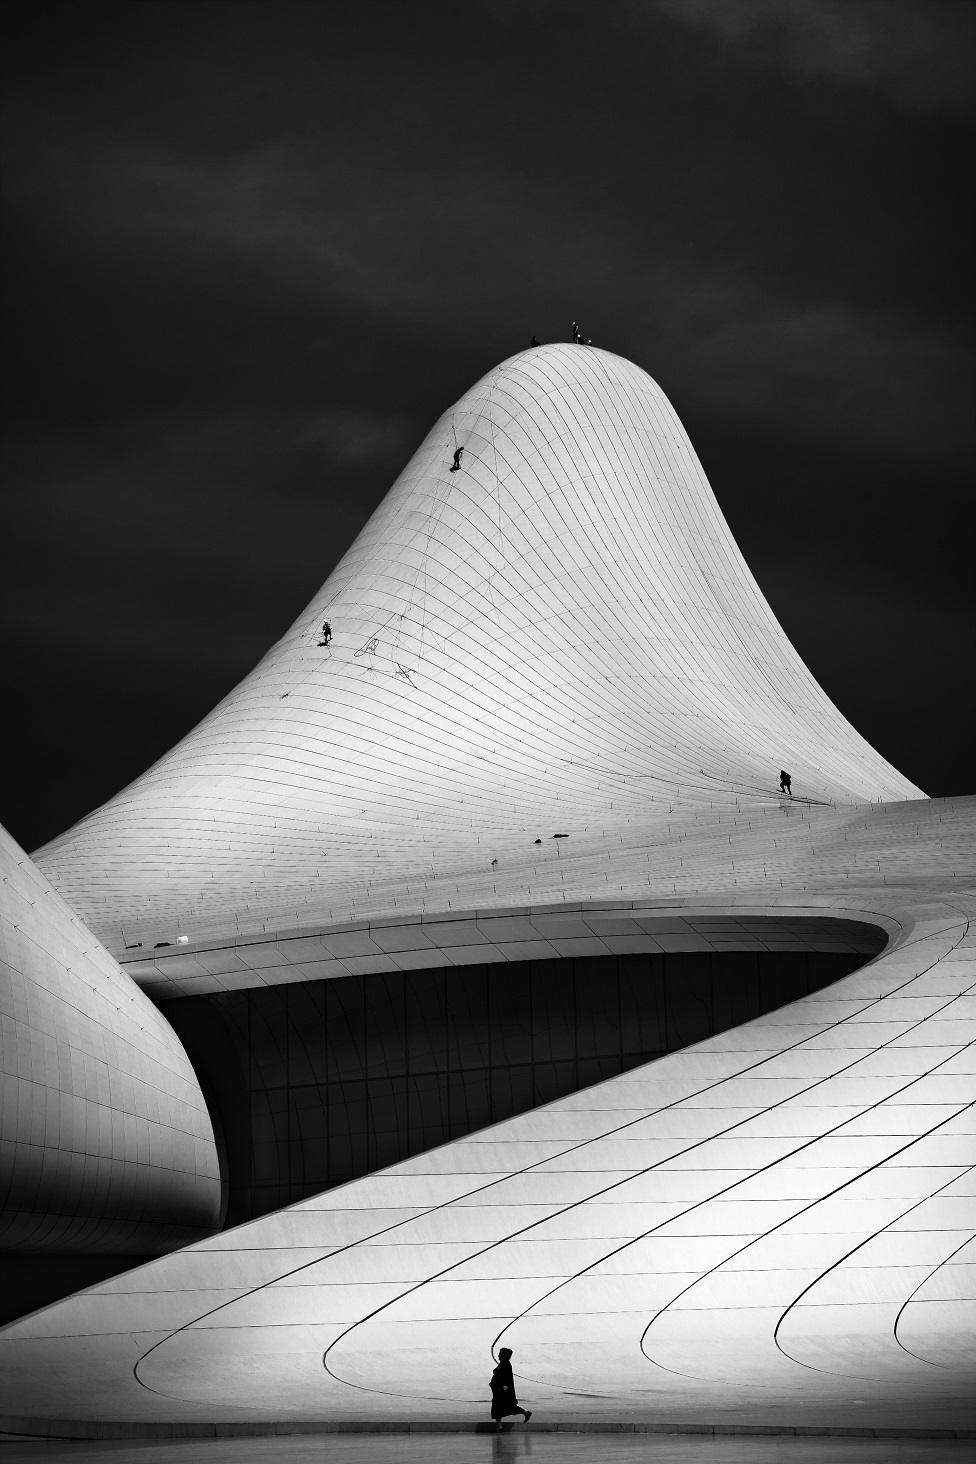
[105, 1138]
[562, 636]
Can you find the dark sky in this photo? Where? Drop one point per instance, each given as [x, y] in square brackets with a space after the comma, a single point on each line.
[253, 251]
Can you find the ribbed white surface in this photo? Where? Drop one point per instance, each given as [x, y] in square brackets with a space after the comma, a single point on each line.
[774, 1227]
[563, 635]
[598, 894]
[105, 1138]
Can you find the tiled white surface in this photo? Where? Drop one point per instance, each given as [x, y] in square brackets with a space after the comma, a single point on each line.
[560, 638]
[772, 1223]
[105, 1138]
[728, 1243]
[775, 1219]
[676, 924]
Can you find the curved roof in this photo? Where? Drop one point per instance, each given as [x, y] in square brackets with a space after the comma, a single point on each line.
[560, 636]
[105, 1138]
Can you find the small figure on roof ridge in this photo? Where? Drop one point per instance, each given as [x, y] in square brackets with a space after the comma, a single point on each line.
[457, 459]
[533, 342]
[785, 783]
[326, 634]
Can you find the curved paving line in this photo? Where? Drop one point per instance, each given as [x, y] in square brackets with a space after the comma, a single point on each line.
[699, 1204]
[797, 1300]
[947, 1260]
[826, 1133]
[620, 1129]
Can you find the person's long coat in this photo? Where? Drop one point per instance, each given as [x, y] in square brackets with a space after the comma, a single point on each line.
[503, 1399]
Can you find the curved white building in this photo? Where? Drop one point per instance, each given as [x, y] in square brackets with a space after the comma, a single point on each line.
[106, 1139]
[770, 1225]
[560, 637]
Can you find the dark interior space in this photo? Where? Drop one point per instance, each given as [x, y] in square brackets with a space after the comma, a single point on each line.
[318, 1083]
[29, 1281]
[313, 1084]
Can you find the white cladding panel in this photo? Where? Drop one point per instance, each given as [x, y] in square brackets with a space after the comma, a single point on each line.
[561, 636]
[105, 1138]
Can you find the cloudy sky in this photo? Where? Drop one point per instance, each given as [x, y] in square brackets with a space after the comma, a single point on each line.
[254, 250]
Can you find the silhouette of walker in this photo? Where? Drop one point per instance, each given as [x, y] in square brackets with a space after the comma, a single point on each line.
[326, 634]
[503, 1399]
[785, 783]
[457, 459]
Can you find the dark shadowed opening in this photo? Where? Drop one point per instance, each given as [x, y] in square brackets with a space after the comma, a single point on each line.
[318, 1083]
[313, 1084]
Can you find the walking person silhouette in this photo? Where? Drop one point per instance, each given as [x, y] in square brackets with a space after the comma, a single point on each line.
[785, 783]
[503, 1400]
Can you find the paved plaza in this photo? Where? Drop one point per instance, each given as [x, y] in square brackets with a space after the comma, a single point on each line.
[542, 1448]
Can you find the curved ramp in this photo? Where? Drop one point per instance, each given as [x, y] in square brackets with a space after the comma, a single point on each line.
[774, 1227]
